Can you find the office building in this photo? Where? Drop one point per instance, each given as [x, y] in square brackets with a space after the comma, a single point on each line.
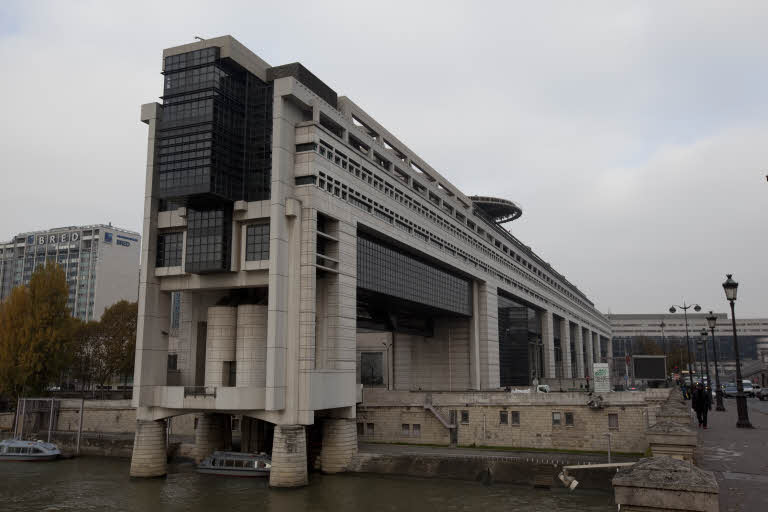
[300, 251]
[101, 263]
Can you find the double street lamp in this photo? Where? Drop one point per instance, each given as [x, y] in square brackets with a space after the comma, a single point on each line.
[712, 321]
[685, 307]
[730, 286]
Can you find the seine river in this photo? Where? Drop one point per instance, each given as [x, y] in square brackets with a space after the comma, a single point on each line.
[96, 483]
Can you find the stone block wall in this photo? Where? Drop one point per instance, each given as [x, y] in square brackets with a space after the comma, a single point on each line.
[485, 428]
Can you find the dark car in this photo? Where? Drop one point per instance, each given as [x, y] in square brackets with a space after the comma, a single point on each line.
[763, 394]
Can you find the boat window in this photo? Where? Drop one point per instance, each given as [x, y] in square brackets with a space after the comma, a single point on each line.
[230, 463]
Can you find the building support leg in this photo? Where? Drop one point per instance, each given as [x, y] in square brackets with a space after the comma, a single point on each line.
[339, 445]
[149, 449]
[211, 435]
[289, 456]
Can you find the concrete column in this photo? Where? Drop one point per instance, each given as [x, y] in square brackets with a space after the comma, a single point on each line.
[609, 359]
[596, 348]
[213, 433]
[339, 445]
[488, 313]
[548, 338]
[565, 347]
[474, 340]
[149, 449]
[289, 456]
[220, 343]
[251, 346]
[590, 357]
[579, 341]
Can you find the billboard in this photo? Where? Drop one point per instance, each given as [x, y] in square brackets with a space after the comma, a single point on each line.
[601, 377]
[649, 367]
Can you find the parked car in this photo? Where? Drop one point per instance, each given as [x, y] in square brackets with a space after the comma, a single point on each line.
[730, 390]
[763, 394]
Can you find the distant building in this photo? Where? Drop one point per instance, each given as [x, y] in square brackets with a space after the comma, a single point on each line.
[101, 263]
[629, 328]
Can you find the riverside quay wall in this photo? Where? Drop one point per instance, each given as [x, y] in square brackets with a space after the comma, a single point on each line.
[542, 421]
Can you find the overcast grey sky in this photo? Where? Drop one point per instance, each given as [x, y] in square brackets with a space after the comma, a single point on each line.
[634, 134]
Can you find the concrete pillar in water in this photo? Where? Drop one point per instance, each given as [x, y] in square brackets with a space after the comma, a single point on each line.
[339, 444]
[289, 456]
[213, 433]
[220, 345]
[251, 351]
[149, 451]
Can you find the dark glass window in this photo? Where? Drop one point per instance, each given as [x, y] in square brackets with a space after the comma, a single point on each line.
[169, 249]
[215, 134]
[209, 237]
[556, 418]
[175, 309]
[503, 418]
[613, 421]
[371, 369]
[514, 418]
[465, 416]
[519, 343]
[569, 419]
[257, 242]
[173, 361]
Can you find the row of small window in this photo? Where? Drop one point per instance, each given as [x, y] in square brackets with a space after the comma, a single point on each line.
[340, 159]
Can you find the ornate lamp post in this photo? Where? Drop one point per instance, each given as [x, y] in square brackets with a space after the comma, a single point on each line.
[730, 286]
[685, 307]
[703, 344]
[712, 321]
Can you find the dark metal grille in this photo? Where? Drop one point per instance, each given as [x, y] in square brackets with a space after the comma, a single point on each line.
[385, 269]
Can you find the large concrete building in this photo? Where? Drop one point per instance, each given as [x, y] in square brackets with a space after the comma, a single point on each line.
[300, 251]
[101, 263]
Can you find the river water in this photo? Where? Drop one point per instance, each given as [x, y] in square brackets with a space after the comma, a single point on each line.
[100, 483]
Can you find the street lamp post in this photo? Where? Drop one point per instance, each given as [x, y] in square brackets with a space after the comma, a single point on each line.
[703, 343]
[664, 342]
[685, 307]
[730, 286]
[712, 321]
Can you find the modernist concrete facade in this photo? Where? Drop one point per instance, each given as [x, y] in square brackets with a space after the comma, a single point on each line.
[323, 256]
[101, 263]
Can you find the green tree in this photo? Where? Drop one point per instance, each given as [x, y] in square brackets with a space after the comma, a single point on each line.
[118, 328]
[35, 333]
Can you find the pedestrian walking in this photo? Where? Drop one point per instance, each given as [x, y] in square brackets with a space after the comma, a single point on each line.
[701, 401]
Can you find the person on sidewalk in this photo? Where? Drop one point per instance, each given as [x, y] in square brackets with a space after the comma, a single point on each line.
[701, 402]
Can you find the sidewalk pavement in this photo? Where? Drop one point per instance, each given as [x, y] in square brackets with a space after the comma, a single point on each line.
[738, 457]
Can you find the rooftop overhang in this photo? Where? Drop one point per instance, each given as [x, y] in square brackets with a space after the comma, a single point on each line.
[498, 209]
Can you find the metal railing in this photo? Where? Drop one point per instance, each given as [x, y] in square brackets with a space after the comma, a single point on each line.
[198, 391]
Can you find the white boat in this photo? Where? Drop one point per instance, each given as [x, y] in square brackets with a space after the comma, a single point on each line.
[236, 464]
[19, 450]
